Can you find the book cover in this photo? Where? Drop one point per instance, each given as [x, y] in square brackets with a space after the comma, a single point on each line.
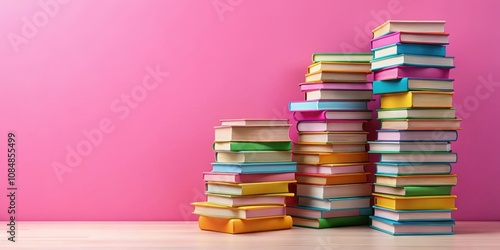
[253, 156]
[415, 135]
[351, 201]
[416, 180]
[361, 57]
[412, 215]
[335, 86]
[237, 226]
[426, 26]
[411, 37]
[412, 228]
[334, 191]
[415, 202]
[254, 168]
[409, 48]
[254, 188]
[410, 168]
[332, 115]
[416, 113]
[327, 158]
[253, 146]
[253, 122]
[417, 99]
[331, 222]
[396, 72]
[249, 200]
[333, 179]
[436, 157]
[421, 124]
[412, 60]
[328, 105]
[410, 84]
[246, 178]
[317, 213]
[412, 190]
[339, 66]
[244, 212]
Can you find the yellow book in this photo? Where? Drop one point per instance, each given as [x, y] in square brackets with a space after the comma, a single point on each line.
[330, 158]
[415, 202]
[237, 226]
[244, 212]
[417, 99]
[251, 188]
[417, 180]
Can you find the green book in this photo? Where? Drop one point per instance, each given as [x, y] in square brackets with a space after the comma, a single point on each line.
[413, 190]
[253, 146]
[332, 222]
[363, 57]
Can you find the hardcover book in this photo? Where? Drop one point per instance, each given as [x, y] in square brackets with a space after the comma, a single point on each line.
[254, 188]
[244, 212]
[409, 48]
[415, 202]
[412, 190]
[236, 226]
[409, 168]
[360, 57]
[335, 203]
[327, 158]
[332, 115]
[254, 168]
[328, 105]
[331, 222]
[334, 179]
[412, 215]
[411, 37]
[412, 228]
[318, 213]
[253, 146]
[334, 191]
[411, 84]
[412, 60]
[409, 26]
[417, 99]
[397, 72]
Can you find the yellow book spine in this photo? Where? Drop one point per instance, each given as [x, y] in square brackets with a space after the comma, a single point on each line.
[343, 158]
[236, 226]
[415, 203]
[396, 100]
[276, 187]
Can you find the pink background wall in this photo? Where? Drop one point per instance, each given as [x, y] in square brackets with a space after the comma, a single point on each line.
[71, 71]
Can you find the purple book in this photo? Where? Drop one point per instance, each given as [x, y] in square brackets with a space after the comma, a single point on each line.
[335, 86]
[410, 37]
[411, 72]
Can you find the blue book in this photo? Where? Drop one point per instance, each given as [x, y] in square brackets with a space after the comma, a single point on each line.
[412, 60]
[412, 227]
[255, 168]
[412, 215]
[409, 48]
[410, 84]
[328, 105]
[412, 168]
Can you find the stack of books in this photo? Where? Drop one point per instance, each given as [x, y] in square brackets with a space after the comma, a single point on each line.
[332, 185]
[248, 186]
[413, 182]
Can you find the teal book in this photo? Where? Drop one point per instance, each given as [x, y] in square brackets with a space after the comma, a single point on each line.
[411, 84]
[328, 105]
[255, 168]
[332, 222]
[253, 146]
[398, 228]
[412, 190]
[413, 60]
[409, 48]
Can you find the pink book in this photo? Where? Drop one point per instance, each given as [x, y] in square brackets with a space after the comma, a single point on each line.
[246, 178]
[411, 72]
[332, 115]
[411, 37]
[334, 86]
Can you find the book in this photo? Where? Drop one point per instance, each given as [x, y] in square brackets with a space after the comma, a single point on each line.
[328, 105]
[253, 146]
[409, 48]
[326, 158]
[249, 200]
[338, 86]
[236, 226]
[416, 180]
[360, 57]
[411, 84]
[331, 126]
[415, 202]
[318, 213]
[335, 76]
[329, 147]
[334, 191]
[417, 99]
[255, 168]
[344, 168]
[412, 228]
[329, 94]
[253, 122]
[409, 26]
[408, 168]
[416, 113]
[335, 203]
[252, 133]
[396, 72]
[412, 60]
[412, 190]
[333, 137]
[409, 135]
[253, 156]
[333, 179]
[438, 157]
[421, 124]
[244, 212]
[411, 37]
[246, 178]
[332, 115]
[254, 188]
[411, 215]
[395, 146]
[339, 66]
[331, 222]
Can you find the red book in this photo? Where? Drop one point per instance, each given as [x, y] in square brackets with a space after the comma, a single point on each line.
[411, 72]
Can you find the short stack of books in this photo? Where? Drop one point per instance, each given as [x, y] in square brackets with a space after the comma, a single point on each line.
[249, 182]
[413, 182]
[332, 186]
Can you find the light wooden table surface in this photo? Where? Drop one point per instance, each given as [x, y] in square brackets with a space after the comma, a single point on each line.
[186, 235]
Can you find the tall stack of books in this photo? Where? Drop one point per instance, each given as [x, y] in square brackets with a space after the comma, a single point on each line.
[332, 185]
[249, 182]
[413, 181]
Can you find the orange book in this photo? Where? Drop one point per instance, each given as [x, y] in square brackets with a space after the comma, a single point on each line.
[237, 226]
[332, 179]
[329, 158]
